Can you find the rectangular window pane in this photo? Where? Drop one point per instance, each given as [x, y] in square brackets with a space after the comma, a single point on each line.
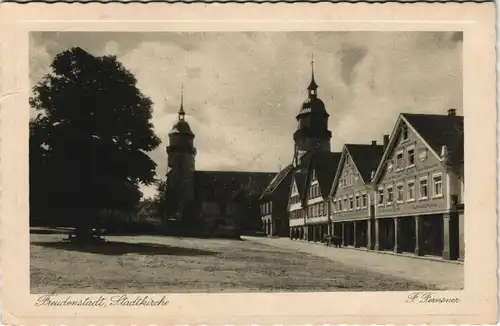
[423, 188]
[438, 186]
[381, 196]
[411, 156]
[411, 190]
[399, 160]
[400, 192]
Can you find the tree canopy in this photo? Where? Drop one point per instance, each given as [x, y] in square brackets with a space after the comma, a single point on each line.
[89, 141]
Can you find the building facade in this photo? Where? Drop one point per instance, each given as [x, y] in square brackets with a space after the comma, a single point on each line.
[405, 195]
[351, 196]
[320, 178]
[417, 186]
[274, 204]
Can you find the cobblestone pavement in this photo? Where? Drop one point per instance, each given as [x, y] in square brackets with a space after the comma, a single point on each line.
[443, 275]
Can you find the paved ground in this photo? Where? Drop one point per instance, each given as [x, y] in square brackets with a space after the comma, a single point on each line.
[139, 264]
[443, 275]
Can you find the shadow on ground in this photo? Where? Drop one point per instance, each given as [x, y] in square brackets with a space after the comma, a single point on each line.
[115, 248]
[47, 231]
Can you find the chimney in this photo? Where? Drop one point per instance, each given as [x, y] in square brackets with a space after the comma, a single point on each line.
[374, 143]
[444, 153]
[386, 141]
[452, 112]
[372, 175]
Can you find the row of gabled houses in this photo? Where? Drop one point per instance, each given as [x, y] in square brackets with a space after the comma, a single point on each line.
[404, 195]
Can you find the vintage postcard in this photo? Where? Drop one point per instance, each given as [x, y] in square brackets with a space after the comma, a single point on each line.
[190, 164]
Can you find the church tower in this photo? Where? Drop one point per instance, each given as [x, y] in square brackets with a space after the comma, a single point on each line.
[312, 132]
[181, 163]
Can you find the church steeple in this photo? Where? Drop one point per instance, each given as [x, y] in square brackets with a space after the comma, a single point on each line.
[181, 155]
[182, 114]
[312, 132]
[313, 87]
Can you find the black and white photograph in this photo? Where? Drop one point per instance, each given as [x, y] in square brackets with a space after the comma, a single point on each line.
[208, 162]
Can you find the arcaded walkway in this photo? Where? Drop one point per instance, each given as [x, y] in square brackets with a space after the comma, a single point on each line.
[445, 275]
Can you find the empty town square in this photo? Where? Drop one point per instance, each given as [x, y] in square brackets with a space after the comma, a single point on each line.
[299, 169]
[161, 264]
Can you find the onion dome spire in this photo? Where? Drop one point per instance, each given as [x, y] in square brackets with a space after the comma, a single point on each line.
[181, 110]
[312, 86]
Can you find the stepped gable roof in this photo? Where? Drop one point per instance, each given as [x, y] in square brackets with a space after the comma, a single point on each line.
[366, 158]
[325, 164]
[227, 185]
[438, 130]
[276, 182]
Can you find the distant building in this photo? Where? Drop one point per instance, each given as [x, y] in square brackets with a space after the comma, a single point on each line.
[274, 204]
[314, 181]
[228, 202]
[209, 203]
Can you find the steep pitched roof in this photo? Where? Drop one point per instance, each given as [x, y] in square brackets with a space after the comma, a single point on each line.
[276, 181]
[440, 130]
[225, 185]
[301, 180]
[325, 164]
[366, 158]
[435, 130]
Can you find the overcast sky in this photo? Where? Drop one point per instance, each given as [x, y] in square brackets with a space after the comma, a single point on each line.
[243, 90]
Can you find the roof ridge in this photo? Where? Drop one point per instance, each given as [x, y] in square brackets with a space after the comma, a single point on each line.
[216, 171]
[433, 114]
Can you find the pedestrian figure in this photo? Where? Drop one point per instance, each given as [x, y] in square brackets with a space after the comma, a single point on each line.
[337, 241]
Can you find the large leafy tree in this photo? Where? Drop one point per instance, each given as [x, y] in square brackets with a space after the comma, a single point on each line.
[88, 143]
